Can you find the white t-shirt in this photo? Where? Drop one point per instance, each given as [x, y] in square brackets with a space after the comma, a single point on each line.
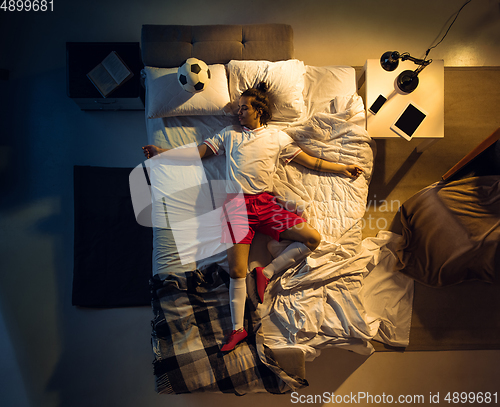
[252, 155]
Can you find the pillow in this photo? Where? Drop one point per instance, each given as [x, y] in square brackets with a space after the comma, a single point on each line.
[165, 96]
[285, 80]
[325, 83]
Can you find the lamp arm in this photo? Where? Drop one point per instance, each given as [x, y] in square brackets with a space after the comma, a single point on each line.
[422, 66]
[421, 62]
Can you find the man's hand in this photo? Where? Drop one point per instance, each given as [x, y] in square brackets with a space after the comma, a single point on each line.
[150, 151]
[352, 171]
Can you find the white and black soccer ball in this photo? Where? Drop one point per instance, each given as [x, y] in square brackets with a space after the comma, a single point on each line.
[194, 75]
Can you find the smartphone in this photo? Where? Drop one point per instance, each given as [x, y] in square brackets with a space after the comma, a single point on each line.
[375, 107]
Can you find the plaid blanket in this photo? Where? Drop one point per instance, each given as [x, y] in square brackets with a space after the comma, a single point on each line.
[191, 319]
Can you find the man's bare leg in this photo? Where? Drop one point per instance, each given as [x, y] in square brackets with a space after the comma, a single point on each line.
[303, 233]
[304, 240]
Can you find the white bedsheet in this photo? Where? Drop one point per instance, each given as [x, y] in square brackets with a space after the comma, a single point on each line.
[336, 298]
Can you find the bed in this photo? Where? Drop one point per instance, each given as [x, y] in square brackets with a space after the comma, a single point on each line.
[342, 295]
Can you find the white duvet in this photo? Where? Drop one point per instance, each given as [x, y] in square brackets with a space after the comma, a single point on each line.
[342, 295]
[332, 204]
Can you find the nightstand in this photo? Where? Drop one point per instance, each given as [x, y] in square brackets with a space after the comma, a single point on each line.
[429, 96]
[82, 57]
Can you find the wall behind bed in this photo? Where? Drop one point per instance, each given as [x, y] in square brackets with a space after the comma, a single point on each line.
[326, 31]
[73, 357]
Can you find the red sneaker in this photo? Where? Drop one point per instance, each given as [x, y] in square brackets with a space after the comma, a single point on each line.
[262, 282]
[235, 338]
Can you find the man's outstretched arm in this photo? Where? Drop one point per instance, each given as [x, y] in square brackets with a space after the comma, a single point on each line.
[317, 164]
[151, 151]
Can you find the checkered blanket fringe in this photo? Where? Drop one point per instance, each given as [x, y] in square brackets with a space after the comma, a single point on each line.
[190, 323]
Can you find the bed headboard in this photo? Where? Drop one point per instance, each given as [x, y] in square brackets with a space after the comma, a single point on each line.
[168, 46]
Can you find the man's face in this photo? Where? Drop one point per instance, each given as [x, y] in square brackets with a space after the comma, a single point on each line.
[247, 115]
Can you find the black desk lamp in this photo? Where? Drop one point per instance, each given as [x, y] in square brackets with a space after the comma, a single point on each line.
[407, 80]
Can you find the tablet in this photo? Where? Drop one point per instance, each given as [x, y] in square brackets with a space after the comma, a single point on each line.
[408, 122]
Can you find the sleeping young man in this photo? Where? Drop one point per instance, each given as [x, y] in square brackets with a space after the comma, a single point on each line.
[252, 153]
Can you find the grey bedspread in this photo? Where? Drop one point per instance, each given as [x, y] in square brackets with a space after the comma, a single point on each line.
[451, 232]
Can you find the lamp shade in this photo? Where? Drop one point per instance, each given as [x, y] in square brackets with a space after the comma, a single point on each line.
[390, 60]
[407, 81]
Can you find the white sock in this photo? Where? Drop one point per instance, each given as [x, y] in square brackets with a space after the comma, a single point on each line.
[293, 254]
[276, 248]
[237, 298]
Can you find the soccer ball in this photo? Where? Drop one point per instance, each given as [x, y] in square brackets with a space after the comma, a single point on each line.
[194, 75]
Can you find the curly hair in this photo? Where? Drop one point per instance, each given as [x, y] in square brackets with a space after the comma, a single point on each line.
[260, 101]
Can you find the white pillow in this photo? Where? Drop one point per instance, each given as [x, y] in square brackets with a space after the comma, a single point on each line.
[165, 96]
[285, 80]
[325, 83]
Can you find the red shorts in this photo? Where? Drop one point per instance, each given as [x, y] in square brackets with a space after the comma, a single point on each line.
[244, 215]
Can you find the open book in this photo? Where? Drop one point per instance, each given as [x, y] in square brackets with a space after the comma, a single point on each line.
[110, 74]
